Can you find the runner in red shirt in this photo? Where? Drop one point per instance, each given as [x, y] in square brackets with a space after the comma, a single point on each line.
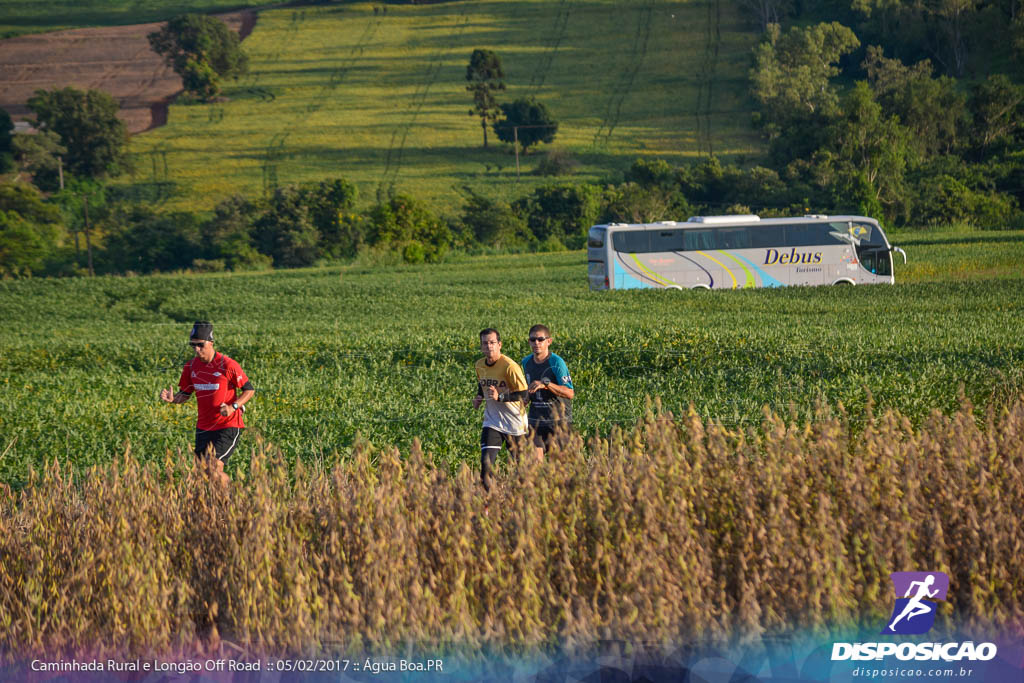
[216, 380]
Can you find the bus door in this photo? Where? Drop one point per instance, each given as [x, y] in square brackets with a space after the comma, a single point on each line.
[872, 250]
[876, 260]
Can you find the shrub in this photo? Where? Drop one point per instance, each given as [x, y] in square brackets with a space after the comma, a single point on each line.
[556, 162]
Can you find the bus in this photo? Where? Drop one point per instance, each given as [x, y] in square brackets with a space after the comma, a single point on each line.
[731, 252]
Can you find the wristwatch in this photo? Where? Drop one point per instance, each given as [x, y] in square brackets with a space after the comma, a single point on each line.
[238, 407]
[546, 381]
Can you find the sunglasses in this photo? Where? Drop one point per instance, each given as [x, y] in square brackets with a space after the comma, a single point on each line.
[197, 345]
[534, 340]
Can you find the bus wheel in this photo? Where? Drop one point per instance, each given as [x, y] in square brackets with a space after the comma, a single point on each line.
[674, 287]
[701, 287]
[843, 282]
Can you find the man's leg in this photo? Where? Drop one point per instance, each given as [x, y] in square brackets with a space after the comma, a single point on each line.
[490, 444]
[541, 436]
[517, 444]
[217, 445]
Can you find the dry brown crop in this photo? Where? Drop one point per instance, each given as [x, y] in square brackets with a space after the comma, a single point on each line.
[675, 531]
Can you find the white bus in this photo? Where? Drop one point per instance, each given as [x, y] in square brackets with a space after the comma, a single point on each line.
[730, 252]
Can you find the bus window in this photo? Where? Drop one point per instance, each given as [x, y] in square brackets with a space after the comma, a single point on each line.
[667, 240]
[767, 236]
[863, 232]
[596, 238]
[698, 240]
[808, 235]
[732, 238]
[631, 241]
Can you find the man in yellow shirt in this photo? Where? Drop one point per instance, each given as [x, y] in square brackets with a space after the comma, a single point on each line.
[500, 385]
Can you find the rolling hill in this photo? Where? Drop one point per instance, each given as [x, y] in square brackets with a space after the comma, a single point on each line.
[376, 94]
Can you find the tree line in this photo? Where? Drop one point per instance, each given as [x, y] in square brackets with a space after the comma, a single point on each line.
[856, 120]
[903, 142]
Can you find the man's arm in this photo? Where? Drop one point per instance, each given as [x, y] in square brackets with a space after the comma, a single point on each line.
[517, 389]
[167, 396]
[513, 396]
[561, 390]
[562, 386]
[248, 391]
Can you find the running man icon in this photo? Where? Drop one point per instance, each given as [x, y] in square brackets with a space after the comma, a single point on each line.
[916, 608]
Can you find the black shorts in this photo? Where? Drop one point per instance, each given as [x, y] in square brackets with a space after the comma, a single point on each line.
[491, 441]
[544, 435]
[223, 442]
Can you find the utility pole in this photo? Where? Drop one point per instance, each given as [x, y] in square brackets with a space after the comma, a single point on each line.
[515, 138]
[515, 134]
[88, 243]
[60, 173]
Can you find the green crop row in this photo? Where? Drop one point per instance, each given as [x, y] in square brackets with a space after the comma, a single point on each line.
[388, 353]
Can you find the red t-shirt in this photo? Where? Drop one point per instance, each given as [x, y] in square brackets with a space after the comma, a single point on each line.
[213, 383]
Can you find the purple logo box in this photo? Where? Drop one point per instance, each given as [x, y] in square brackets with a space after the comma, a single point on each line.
[901, 582]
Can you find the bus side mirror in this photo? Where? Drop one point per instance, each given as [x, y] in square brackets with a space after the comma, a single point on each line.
[900, 251]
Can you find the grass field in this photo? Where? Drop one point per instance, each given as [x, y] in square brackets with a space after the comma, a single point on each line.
[18, 17]
[388, 352]
[378, 97]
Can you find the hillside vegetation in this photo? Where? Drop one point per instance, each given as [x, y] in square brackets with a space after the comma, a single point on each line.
[376, 94]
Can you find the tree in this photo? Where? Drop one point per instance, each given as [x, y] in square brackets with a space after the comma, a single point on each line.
[485, 75]
[286, 231]
[226, 235]
[563, 212]
[527, 121]
[933, 108]
[767, 11]
[202, 50]
[40, 155]
[792, 72]
[83, 202]
[792, 81]
[997, 106]
[494, 223]
[405, 225]
[869, 155]
[88, 126]
[29, 230]
[6, 140]
[952, 18]
[1017, 35]
[328, 201]
[633, 203]
[144, 241]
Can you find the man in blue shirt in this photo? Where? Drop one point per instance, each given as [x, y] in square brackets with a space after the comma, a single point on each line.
[551, 391]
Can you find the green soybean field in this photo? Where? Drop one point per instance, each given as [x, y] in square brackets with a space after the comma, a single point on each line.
[352, 354]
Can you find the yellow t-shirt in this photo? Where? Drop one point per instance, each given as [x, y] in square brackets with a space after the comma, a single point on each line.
[508, 417]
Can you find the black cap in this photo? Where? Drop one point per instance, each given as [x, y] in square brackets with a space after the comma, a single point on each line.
[202, 329]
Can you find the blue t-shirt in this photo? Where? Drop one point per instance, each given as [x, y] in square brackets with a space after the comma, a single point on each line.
[545, 408]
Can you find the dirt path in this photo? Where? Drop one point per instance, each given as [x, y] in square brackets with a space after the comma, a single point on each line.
[116, 59]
